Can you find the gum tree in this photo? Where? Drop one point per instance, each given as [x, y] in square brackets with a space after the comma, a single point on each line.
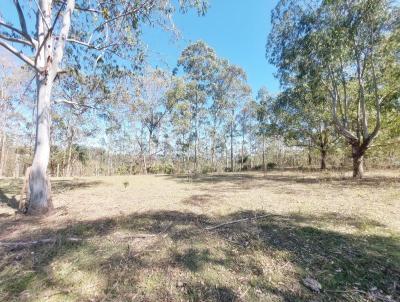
[341, 44]
[89, 32]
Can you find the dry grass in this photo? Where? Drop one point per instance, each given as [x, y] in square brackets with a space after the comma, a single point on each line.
[145, 239]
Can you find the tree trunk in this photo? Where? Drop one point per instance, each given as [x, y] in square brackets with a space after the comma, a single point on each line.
[69, 159]
[40, 200]
[226, 156]
[213, 151]
[323, 159]
[242, 151]
[196, 140]
[358, 162]
[263, 155]
[144, 163]
[3, 153]
[16, 165]
[195, 153]
[231, 146]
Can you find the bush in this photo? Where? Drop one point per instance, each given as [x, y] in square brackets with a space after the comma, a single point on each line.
[271, 166]
[207, 169]
[166, 168]
[169, 168]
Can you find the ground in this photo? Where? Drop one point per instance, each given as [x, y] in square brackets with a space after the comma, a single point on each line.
[154, 238]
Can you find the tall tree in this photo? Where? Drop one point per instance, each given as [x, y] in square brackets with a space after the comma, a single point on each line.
[103, 29]
[263, 108]
[230, 92]
[200, 63]
[152, 104]
[340, 43]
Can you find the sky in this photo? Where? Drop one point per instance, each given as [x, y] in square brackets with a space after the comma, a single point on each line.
[236, 29]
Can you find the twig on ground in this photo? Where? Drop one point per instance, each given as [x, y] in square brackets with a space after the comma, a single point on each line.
[236, 221]
[35, 242]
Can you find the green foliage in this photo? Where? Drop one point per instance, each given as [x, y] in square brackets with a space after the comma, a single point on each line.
[165, 168]
[333, 62]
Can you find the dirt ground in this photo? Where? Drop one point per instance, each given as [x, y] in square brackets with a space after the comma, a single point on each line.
[151, 238]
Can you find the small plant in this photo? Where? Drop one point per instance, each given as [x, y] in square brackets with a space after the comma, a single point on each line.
[126, 184]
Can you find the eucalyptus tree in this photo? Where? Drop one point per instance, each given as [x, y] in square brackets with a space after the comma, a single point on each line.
[342, 44]
[13, 102]
[263, 116]
[245, 119]
[98, 30]
[303, 121]
[200, 64]
[152, 104]
[230, 92]
[181, 119]
[77, 99]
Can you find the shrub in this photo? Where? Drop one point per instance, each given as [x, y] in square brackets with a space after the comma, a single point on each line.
[207, 169]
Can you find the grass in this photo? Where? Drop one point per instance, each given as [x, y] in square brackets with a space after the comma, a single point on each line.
[148, 241]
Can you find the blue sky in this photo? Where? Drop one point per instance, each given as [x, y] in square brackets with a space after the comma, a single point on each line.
[236, 29]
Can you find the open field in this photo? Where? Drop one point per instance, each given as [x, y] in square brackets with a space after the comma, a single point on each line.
[145, 238]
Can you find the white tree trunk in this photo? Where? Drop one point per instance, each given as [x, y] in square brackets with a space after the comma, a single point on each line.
[40, 201]
[48, 54]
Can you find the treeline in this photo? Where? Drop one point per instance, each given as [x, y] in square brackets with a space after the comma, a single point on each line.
[338, 62]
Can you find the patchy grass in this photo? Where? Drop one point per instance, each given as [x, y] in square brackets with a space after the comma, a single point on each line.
[148, 241]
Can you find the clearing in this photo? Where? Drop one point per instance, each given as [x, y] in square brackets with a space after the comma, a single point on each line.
[151, 238]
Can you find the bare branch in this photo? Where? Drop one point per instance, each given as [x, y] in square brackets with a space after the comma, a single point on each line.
[19, 54]
[21, 18]
[15, 40]
[236, 221]
[41, 13]
[16, 30]
[66, 24]
[72, 103]
[90, 46]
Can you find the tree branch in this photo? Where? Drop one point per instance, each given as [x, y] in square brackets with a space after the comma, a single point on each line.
[84, 9]
[42, 15]
[22, 21]
[72, 103]
[148, 3]
[19, 54]
[236, 221]
[16, 30]
[90, 46]
[66, 24]
[15, 40]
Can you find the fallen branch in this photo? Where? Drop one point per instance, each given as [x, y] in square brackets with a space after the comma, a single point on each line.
[35, 242]
[236, 221]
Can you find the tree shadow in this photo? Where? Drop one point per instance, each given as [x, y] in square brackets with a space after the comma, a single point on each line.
[62, 185]
[198, 200]
[172, 249]
[252, 180]
[342, 181]
[12, 187]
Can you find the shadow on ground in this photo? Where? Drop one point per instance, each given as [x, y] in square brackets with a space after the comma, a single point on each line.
[10, 188]
[251, 180]
[170, 256]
